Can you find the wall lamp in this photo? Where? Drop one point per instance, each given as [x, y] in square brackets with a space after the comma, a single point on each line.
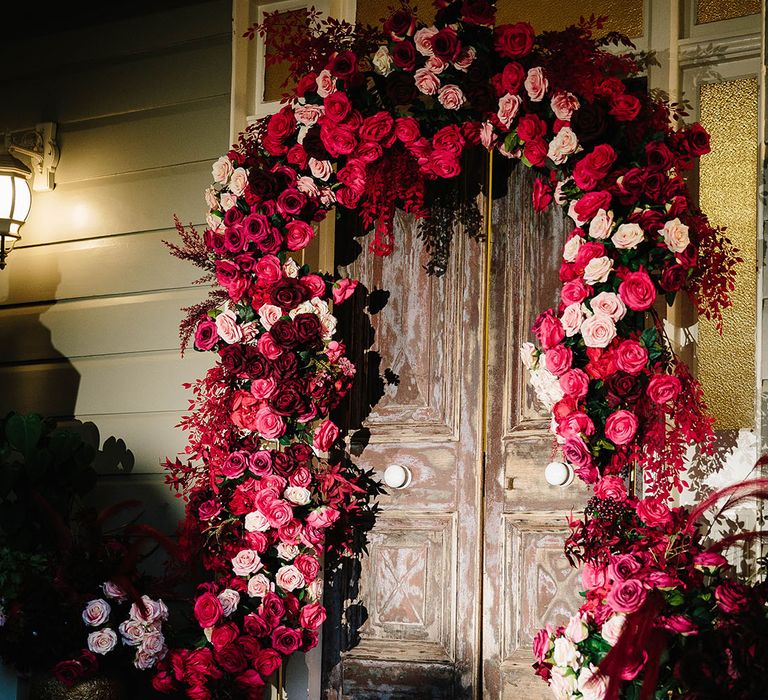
[37, 147]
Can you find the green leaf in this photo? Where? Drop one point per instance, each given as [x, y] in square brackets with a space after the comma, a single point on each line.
[674, 597]
[24, 432]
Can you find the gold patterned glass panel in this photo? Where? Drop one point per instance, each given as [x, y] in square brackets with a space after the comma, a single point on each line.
[719, 10]
[728, 194]
[625, 16]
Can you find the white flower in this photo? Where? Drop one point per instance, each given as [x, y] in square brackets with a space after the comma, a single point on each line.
[221, 170]
[256, 522]
[576, 630]
[628, 236]
[228, 200]
[315, 589]
[246, 562]
[382, 61]
[675, 235]
[96, 612]
[290, 268]
[214, 223]
[144, 660]
[229, 599]
[565, 653]
[289, 578]
[612, 628]
[598, 269]
[600, 226]
[287, 552]
[132, 632]
[563, 145]
[547, 387]
[529, 355]
[297, 495]
[102, 641]
[571, 248]
[238, 181]
[591, 684]
[153, 643]
[259, 586]
[563, 683]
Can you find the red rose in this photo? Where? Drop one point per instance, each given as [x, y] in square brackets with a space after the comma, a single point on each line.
[611, 487]
[312, 616]
[286, 640]
[255, 625]
[663, 388]
[587, 207]
[343, 64]
[231, 658]
[407, 129]
[558, 359]
[400, 24]
[512, 77]
[731, 597]
[697, 138]
[223, 635]
[353, 175]
[445, 44]
[542, 194]
[297, 156]
[369, 151]
[530, 127]
[337, 107]
[404, 55]
[282, 124]
[206, 335]
[536, 152]
[68, 672]
[653, 512]
[444, 164]
[637, 290]
[208, 610]
[624, 107]
[479, 12]
[162, 682]
[622, 567]
[449, 138]
[574, 291]
[631, 357]
[632, 184]
[513, 40]
[267, 662]
[198, 692]
[250, 681]
[337, 139]
[377, 127]
[620, 427]
[594, 167]
[658, 156]
[626, 596]
[307, 84]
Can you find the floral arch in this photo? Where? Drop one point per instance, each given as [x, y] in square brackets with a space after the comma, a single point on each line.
[379, 121]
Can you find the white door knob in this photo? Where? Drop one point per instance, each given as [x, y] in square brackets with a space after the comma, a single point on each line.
[558, 474]
[396, 476]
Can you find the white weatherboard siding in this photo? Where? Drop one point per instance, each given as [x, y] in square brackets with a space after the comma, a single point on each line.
[89, 302]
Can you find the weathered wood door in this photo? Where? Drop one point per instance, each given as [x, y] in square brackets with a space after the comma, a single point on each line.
[464, 564]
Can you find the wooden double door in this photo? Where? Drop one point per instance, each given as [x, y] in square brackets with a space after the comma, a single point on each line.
[465, 562]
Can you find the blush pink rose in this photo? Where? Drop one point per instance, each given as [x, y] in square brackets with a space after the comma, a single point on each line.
[269, 314]
[226, 324]
[289, 578]
[600, 226]
[451, 97]
[325, 435]
[96, 612]
[268, 424]
[593, 576]
[631, 357]
[572, 318]
[598, 330]
[509, 106]
[626, 596]
[263, 388]
[426, 81]
[536, 84]
[610, 304]
[620, 427]
[563, 105]
[245, 563]
[541, 643]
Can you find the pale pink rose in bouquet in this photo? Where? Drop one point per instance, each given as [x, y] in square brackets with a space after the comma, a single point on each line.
[322, 517]
[246, 562]
[226, 325]
[229, 599]
[565, 653]
[601, 224]
[211, 200]
[238, 182]
[610, 304]
[598, 269]
[487, 135]
[536, 84]
[256, 522]
[509, 106]
[307, 185]
[96, 612]
[320, 169]
[144, 660]
[563, 145]
[228, 200]
[297, 495]
[259, 586]
[575, 383]
[287, 552]
[426, 81]
[591, 684]
[598, 330]
[114, 591]
[268, 347]
[382, 61]
[593, 576]
[423, 40]
[465, 59]
[572, 318]
[289, 578]
[451, 97]
[149, 611]
[612, 628]
[132, 632]
[269, 314]
[308, 114]
[558, 195]
[628, 236]
[436, 65]
[326, 83]
[576, 630]
[564, 104]
[291, 268]
[529, 355]
[221, 171]
[571, 248]
[154, 643]
[102, 641]
[675, 235]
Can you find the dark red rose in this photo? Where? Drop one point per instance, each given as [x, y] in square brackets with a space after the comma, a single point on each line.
[622, 387]
[512, 77]
[401, 88]
[232, 358]
[513, 40]
[307, 84]
[234, 239]
[240, 503]
[284, 333]
[313, 144]
[588, 123]
[698, 140]
[214, 241]
[258, 366]
[377, 127]
[223, 635]
[68, 672]
[289, 399]
[309, 639]
[286, 640]
[530, 127]
[343, 64]
[445, 44]
[536, 152]
[337, 106]
[231, 658]
[267, 662]
[286, 366]
[542, 194]
[404, 55]
[250, 682]
[594, 166]
[206, 334]
[233, 216]
[288, 293]
[301, 452]
[281, 124]
[655, 182]
[308, 328]
[263, 184]
[632, 185]
[478, 12]
[283, 462]
[256, 227]
[272, 606]
[624, 108]
[255, 625]
[673, 278]
[400, 24]
[337, 139]
[658, 156]
[290, 202]
[272, 241]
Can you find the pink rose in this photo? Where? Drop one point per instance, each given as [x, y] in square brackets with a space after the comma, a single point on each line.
[206, 334]
[593, 576]
[245, 562]
[226, 324]
[679, 624]
[286, 640]
[574, 425]
[451, 97]
[426, 81]
[572, 318]
[102, 641]
[263, 388]
[536, 84]
[654, 512]
[267, 346]
[299, 234]
[623, 567]
[268, 424]
[709, 561]
[278, 512]
[548, 329]
[637, 290]
[343, 289]
[268, 270]
[611, 487]
[269, 314]
[326, 83]
[322, 517]
[320, 169]
[325, 435]
[620, 427]
[564, 104]
[626, 596]
[574, 292]
[312, 616]
[610, 304]
[509, 106]
[575, 383]
[598, 331]
[631, 357]
[731, 597]
[308, 565]
[663, 388]
[289, 578]
[558, 359]
[576, 452]
[96, 612]
[541, 643]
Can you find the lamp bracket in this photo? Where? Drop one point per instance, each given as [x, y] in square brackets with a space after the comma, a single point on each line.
[39, 148]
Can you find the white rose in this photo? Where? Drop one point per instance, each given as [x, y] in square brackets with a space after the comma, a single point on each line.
[214, 223]
[226, 325]
[571, 248]
[559, 197]
[221, 170]
[269, 314]
[96, 612]
[598, 331]
[256, 522]
[610, 304]
[287, 552]
[591, 684]
[529, 355]
[675, 234]
[547, 387]
[132, 632]
[289, 578]
[238, 181]
[563, 683]
[565, 653]
[144, 660]
[326, 83]
[509, 106]
[600, 226]
[382, 61]
[315, 589]
[451, 97]
[598, 269]
[290, 268]
[426, 81]
[246, 562]
[320, 169]
[563, 145]
[423, 42]
[576, 630]
[612, 628]
[259, 586]
[628, 236]
[297, 495]
[328, 323]
[102, 641]
[153, 642]
[572, 318]
[229, 599]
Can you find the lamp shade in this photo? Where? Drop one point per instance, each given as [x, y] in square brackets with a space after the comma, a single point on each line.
[15, 201]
